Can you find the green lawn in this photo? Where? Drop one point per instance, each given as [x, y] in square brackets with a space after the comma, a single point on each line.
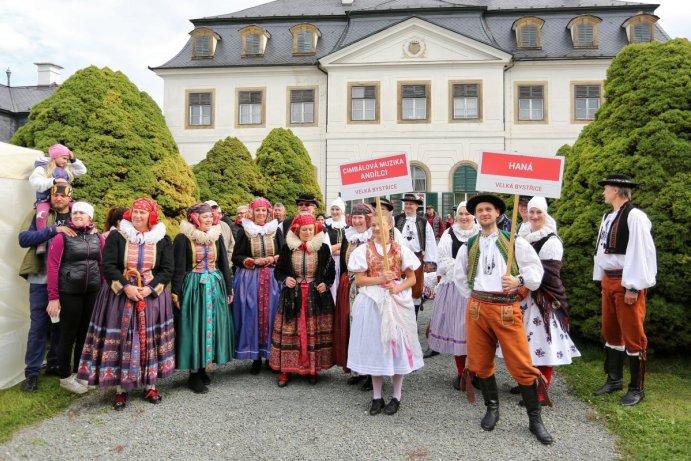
[19, 409]
[658, 428]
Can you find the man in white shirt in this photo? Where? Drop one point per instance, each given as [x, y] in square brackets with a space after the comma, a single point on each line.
[418, 236]
[626, 264]
[494, 312]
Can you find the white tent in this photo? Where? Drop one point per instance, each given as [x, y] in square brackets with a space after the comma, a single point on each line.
[16, 164]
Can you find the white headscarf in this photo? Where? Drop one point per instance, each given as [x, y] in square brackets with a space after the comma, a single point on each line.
[541, 204]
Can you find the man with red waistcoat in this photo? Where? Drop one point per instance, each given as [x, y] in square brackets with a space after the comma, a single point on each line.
[626, 264]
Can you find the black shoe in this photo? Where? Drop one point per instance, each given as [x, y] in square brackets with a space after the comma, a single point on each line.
[267, 366]
[52, 371]
[205, 378]
[490, 394]
[429, 353]
[632, 397]
[614, 367]
[392, 407]
[195, 383]
[376, 407]
[256, 367]
[456, 383]
[30, 384]
[367, 385]
[355, 379]
[515, 390]
[533, 408]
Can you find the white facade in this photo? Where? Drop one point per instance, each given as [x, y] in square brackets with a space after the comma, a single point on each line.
[439, 58]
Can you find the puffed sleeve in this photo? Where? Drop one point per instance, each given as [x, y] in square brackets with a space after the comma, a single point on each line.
[640, 263]
[529, 264]
[552, 249]
[408, 259]
[597, 270]
[358, 259]
[430, 245]
[445, 261]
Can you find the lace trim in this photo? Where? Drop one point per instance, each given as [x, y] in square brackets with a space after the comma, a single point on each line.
[253, 229]
[198, 236]
[154, 235]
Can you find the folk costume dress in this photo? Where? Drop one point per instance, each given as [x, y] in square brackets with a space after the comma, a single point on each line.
[447, 332]
[257, 292]
[336, 231]
[545, 315]
[347, 290]
[383, 333]
[124, 346]
[202, 281]
[302, 340]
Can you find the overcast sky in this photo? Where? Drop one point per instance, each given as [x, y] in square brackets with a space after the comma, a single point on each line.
[130, 35]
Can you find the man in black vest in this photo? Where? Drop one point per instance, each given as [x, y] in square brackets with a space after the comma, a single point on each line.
[626, 264]
[418, 236]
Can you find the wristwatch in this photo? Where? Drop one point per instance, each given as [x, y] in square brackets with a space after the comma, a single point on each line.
[633, 290]
[521, 282]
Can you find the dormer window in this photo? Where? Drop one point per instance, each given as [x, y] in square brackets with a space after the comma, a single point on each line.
[204, 41]
[528, 33]
[584, 31]
[254, 40]
[305, 38]
[640, 28]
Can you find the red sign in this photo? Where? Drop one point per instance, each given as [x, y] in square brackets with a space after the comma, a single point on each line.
[512, 173]
[378, 176]
[374, 170]
[521, 166]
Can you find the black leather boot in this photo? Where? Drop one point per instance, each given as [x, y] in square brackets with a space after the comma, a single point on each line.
[636, 392]
[533, 408]
[614, 367]
[491, 395]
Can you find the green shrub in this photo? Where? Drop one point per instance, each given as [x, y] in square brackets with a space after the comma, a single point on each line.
[228, 175]
[122, 137]
[287, 166]
[643, 130]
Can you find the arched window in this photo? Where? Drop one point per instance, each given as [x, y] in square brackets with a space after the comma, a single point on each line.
[640, 28]
[305, 38]
[528, 33]
[419, 176]
[204, 42]
[464, 180]
[254, 40]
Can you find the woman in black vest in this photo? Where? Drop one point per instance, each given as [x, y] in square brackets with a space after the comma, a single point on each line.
[447, 331]
[74, 278]
[336, 227]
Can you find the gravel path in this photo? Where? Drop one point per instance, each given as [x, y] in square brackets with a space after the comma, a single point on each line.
[249, 417]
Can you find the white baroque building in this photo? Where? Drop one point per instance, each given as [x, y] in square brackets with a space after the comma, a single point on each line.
[442, 80]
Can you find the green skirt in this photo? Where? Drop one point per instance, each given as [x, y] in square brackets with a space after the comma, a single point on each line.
[203, 324]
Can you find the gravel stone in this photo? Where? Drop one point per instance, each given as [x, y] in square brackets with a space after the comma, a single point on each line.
[250, 417]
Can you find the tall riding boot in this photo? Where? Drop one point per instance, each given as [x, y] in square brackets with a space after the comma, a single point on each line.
[636, 392]
[533, 408]
[491, 395]
[614, 367]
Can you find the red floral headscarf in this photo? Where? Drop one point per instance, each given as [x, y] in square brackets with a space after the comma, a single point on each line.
[259, 202]
[145, 204]
[304, 220]
[194, 211]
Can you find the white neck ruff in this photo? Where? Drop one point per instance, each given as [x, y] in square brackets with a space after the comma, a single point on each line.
[464, 235]
[199, 236]
[152, 236]
[293, 241]
[253, 229]
[354, 236]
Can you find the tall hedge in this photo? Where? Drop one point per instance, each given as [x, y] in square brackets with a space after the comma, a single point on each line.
[120, 134]
[643, 130]
[228, 175]
[288, 169]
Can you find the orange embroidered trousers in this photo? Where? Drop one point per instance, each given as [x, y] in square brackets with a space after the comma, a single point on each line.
[489, 323]
[622, 324]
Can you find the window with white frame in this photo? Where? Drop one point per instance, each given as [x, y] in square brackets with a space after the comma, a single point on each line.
[302, 106]
[419, 176]
[199, 109]
[414, 100]
[250, 110]
[587, 101]
[363, 103]
[466, 101]
[531, 103]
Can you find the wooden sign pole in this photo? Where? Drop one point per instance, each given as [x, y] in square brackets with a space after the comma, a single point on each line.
[383, 236]
[512, 240]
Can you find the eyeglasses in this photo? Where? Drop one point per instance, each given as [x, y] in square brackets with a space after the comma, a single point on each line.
[304, 204]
